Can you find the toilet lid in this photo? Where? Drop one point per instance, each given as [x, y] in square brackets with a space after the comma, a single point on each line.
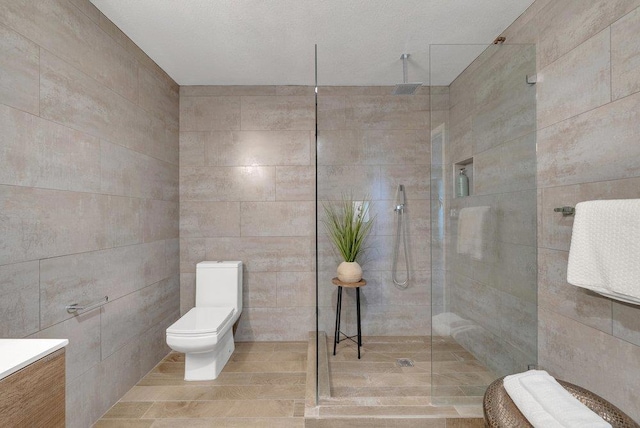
[201, 320]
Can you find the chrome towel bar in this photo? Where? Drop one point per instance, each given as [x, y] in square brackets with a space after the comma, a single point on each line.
[76, 308]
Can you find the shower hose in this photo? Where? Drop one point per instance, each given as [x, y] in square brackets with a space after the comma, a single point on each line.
[401, 235]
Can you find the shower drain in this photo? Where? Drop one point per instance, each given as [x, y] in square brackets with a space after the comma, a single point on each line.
[404, 362]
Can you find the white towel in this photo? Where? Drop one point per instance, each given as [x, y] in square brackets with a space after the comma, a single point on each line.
[605, 248]
[546, 404]
[476, 232]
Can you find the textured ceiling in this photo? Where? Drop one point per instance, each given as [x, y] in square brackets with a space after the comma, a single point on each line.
[271, 42]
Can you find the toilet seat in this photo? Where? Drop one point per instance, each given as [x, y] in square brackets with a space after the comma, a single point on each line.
[201, 321]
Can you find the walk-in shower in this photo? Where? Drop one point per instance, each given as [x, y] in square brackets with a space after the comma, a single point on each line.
[462, 314]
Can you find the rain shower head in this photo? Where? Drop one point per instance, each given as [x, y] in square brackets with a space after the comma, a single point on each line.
[406, 88]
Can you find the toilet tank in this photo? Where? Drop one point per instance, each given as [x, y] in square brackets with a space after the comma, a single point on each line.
[219, 283]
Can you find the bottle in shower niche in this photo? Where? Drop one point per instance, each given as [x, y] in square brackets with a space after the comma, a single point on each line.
[462, 184]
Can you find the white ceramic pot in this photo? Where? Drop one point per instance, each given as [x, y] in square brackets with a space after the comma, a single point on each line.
[349, 272]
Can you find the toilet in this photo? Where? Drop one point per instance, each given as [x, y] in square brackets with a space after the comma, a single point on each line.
[204, 334]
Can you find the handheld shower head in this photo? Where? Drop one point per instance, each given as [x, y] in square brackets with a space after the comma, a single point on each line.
[401, 200]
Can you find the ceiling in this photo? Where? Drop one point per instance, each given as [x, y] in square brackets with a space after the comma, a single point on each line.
[271, 42]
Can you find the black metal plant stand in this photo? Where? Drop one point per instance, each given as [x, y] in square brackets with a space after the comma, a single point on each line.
[336, 336]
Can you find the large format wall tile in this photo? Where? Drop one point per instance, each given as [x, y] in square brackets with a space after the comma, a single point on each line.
[606, 137]
[38, 153]
[20, 71]
[66, 32]
[45, 223]
[69, 97]
[19, 299]
[561, 90]
[242, 183]
[278, 113]
[209, 219]
[565, 24]
[87, 277]
[209, 113]
[277, 218]
[625, 55]
[259, 148]
[592, 359]
[295, 183]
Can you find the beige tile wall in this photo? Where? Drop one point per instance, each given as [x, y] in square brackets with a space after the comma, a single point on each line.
[247, 193]
[492, 120]
[88, 196]
[588, 147]
[369, 142]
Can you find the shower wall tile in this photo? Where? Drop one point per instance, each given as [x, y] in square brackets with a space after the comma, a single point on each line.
[625, 55]
[566, 24]
[338, 147]
[238, 183]
[38, 153]
[19, 299]
[331, 111]
[557, 229]
[561, 89]
[278, 113]
[209, 113]
[606, 137]
[416, 186]
[387, 112]
[585, 356]
[63, 30]
[295, 183]
[334, 181]
[209, 219]
[510, 167]
[557, 294]
[626, 325]
[20, 70]
[259, 148]
[277, 218]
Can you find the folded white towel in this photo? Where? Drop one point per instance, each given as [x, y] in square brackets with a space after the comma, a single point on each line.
[546, 404]
[476, 232]
[605, 248]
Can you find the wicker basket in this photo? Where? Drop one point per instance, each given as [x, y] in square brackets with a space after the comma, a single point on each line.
[500, 411]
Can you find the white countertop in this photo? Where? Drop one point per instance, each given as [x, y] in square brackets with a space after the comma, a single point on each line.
[16, 354]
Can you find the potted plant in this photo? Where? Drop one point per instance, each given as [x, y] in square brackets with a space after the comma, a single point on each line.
[346, 226]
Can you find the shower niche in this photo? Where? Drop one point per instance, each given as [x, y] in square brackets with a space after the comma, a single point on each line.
[465, 168]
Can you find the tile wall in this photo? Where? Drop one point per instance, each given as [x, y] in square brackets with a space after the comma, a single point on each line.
[491, 259]
[588, 55]
[88, 196]
[369, 142]
[247, 193]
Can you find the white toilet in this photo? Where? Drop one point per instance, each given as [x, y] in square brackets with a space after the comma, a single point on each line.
[204, 333]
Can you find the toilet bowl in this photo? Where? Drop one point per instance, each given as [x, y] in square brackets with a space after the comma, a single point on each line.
[205, 334]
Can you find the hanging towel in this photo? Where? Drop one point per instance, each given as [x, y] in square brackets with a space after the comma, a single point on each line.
[546, 404]
[476, 232]
[605, 248]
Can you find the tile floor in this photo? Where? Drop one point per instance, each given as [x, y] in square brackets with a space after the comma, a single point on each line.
[263, 385]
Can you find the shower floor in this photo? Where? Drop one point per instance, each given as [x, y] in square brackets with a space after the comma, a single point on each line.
[377, 385]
